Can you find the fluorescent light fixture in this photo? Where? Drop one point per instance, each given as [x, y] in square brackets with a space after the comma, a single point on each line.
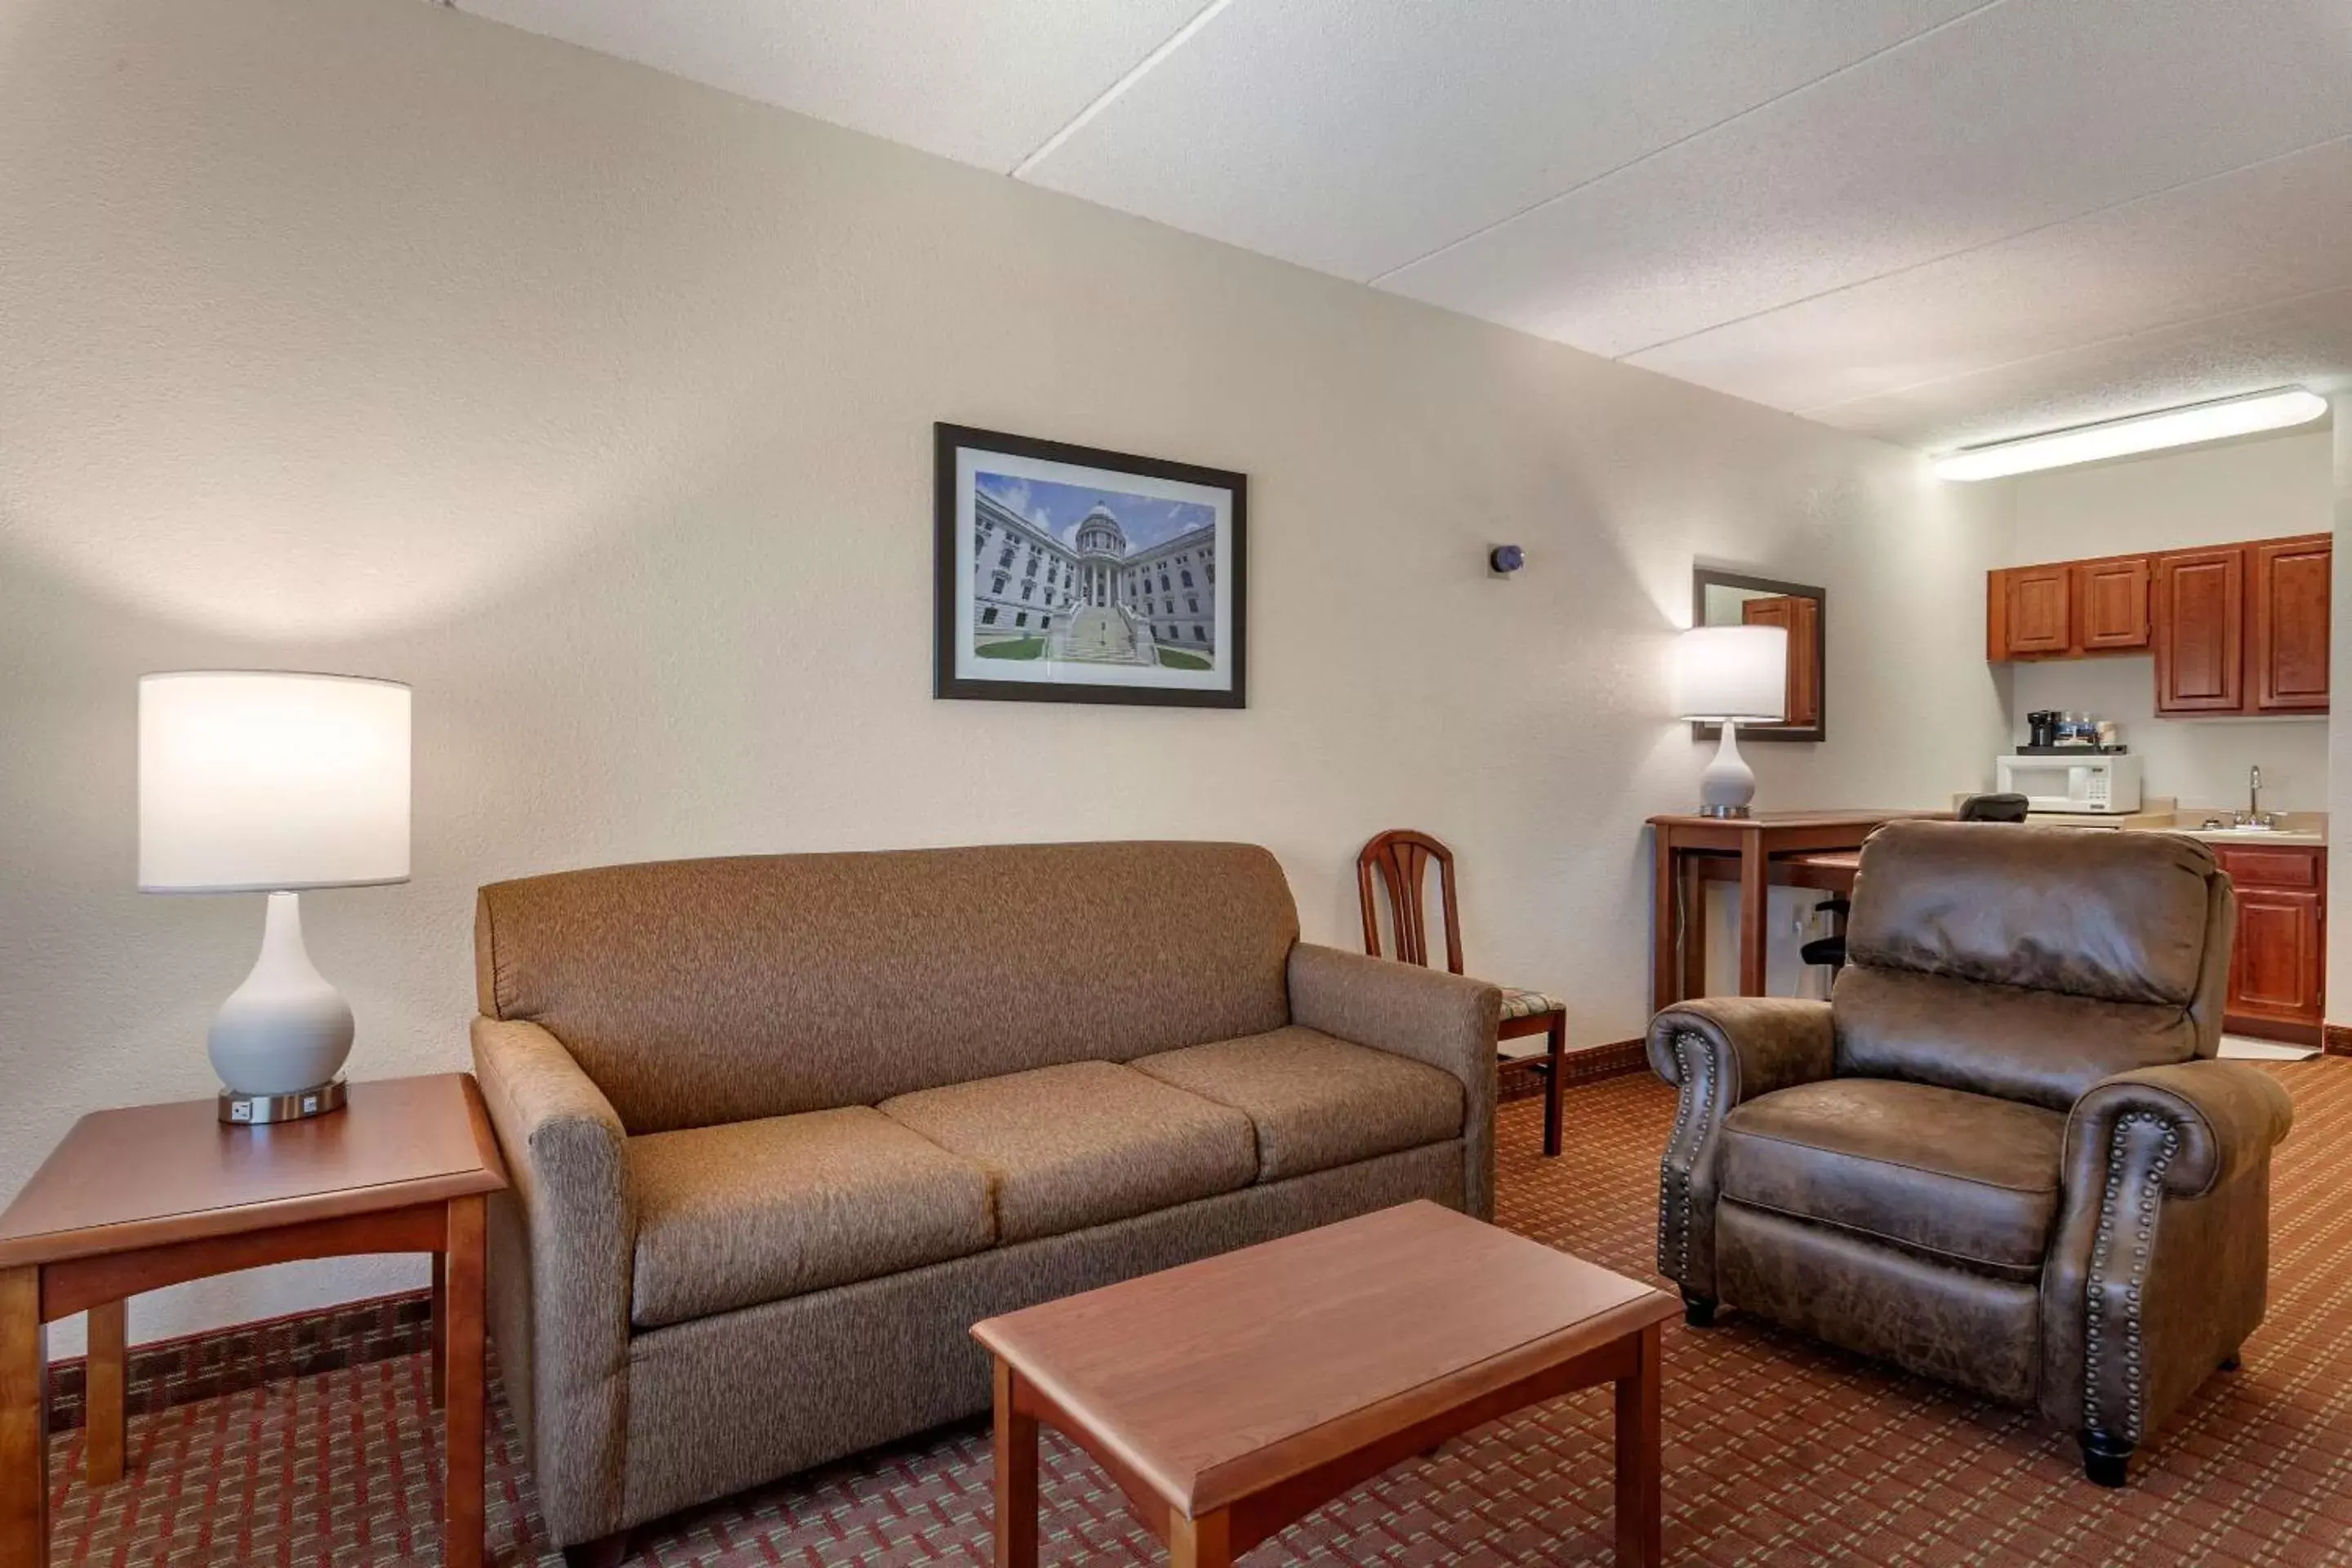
[2142, 433]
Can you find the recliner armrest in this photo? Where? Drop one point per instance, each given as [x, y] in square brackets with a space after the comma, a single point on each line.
[1720, 1052]
[1425, 1014]
[2222, 1116]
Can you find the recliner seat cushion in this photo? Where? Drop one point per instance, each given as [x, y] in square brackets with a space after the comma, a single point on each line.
[1317, 1102]
[1085, 1144]
[1964, 1179]
[749, 1212]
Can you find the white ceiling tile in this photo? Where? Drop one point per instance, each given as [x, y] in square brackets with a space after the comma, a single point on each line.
[980, 81]
[1355, 135]
[2275, 231]
[2305, 343]
[2021, 115]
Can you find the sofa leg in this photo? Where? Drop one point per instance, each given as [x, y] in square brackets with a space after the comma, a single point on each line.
[604, 1552]
[1698, 1311]
[2107, 1458]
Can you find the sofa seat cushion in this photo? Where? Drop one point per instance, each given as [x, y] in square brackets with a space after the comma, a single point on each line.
[1317, 1102]
[1083, 1143]
[757, 1211]
[1965, 1179]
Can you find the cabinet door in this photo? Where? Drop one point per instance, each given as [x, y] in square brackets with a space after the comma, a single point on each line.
[2199, 617]
[2287, 659]
[1800, 617]
[2111, 604]
[2275, 972]
[2040, 610]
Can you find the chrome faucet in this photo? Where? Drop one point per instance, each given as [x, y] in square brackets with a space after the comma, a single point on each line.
[2253, 815]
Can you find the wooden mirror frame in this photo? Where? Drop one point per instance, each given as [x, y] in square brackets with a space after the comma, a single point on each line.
[1704, 577]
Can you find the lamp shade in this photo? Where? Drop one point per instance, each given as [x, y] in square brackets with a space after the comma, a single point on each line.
[1732, 672]
[265, 781]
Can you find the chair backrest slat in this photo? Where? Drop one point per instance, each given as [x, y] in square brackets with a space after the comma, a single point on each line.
[1401, 857]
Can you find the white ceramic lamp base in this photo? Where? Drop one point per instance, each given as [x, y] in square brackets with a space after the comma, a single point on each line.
[281, 1037]
[1729, 784]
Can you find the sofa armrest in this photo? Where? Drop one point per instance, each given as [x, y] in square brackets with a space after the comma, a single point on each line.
[560, 1269]
[1429, 1016]
[1719, 1051]
[2159, 1266]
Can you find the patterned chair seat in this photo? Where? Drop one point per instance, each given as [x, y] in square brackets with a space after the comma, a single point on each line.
[1517, 1004]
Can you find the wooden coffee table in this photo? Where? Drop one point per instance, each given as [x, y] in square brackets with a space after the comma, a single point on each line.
[1230, 1397]
[135, 1200]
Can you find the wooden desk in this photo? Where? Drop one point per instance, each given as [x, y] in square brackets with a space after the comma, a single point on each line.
[1232, 1396]
[138, 1199]
[1798, 848]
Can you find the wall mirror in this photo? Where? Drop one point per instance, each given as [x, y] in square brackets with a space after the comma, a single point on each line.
[1730, 599]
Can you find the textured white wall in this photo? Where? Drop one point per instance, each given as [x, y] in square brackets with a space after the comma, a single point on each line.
[2339, 749]
[2248, 489]
[373, 337]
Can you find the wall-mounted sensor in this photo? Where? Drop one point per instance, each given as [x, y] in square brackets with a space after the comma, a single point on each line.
[1506, 559]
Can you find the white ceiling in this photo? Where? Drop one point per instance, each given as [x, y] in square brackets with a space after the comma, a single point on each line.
[1934, 221]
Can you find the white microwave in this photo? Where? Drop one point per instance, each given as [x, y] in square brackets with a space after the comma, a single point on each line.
[2085, 783]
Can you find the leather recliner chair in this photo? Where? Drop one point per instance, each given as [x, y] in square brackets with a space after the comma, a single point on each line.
[2000, 1155]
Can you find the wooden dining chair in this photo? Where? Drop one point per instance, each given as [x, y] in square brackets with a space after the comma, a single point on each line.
[1400, 856]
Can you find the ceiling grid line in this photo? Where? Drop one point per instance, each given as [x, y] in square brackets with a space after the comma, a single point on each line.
[1663, 148]
[1110, 95]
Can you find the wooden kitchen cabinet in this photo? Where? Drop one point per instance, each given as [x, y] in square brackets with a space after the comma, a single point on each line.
[2111, 604]
[2199, 613]
[2287, 630]
[2278, 967]
[2036, 612]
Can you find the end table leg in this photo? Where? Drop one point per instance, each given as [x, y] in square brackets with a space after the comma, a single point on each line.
[1640, 1506]
[440, 1328]
[1203, 1542]
[24, 1419]
[1016, 1477]
[105, 1379]
[461, 1514]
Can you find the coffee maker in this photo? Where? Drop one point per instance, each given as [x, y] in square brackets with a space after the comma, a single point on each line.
[2041, 727]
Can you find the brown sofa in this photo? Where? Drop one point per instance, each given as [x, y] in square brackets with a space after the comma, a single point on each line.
[782, 1128]
[1999, 1155]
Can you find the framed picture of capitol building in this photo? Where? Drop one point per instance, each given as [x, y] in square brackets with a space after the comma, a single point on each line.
[1070, 574]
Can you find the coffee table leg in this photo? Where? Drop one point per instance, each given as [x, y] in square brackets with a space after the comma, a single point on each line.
[24, 1419]
[1640, 1543]
[103, 1397]
[1016, 1477]
[1203, 1542]
[461, 1487]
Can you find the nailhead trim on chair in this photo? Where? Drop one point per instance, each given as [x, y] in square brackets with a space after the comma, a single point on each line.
[1675, 1174]
[2151, 1191]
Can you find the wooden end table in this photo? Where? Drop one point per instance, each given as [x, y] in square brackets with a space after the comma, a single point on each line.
[1232, 1397]
[138, 1199]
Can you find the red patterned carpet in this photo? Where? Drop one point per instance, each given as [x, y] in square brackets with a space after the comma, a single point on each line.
[1777, 1451]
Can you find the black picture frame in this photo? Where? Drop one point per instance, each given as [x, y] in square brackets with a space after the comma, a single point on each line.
[952, 587]
[1702, 578]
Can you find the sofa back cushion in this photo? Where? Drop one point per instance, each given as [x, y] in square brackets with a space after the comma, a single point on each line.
[2029, 963]
[699, 992]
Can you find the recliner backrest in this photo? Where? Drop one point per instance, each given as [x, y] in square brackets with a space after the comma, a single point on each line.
[2029, 963]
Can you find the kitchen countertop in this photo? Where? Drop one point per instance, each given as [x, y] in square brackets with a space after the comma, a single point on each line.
[2162, 814]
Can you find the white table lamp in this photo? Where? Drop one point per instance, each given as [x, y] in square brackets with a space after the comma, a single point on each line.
[265, 781]
[1725, 675]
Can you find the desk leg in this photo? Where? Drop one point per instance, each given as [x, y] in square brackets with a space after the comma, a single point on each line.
[1640, 1506]
[1663, 954]
[1203, 1542]
[1754, 888]
[24, 1419]
[104, 1382]
[440, 1328]
[1016, 1477]
[461, 1509]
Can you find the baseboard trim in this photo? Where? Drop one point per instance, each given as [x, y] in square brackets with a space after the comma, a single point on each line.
[1523, 1079]
[2335, 1039]
[168, 1373]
